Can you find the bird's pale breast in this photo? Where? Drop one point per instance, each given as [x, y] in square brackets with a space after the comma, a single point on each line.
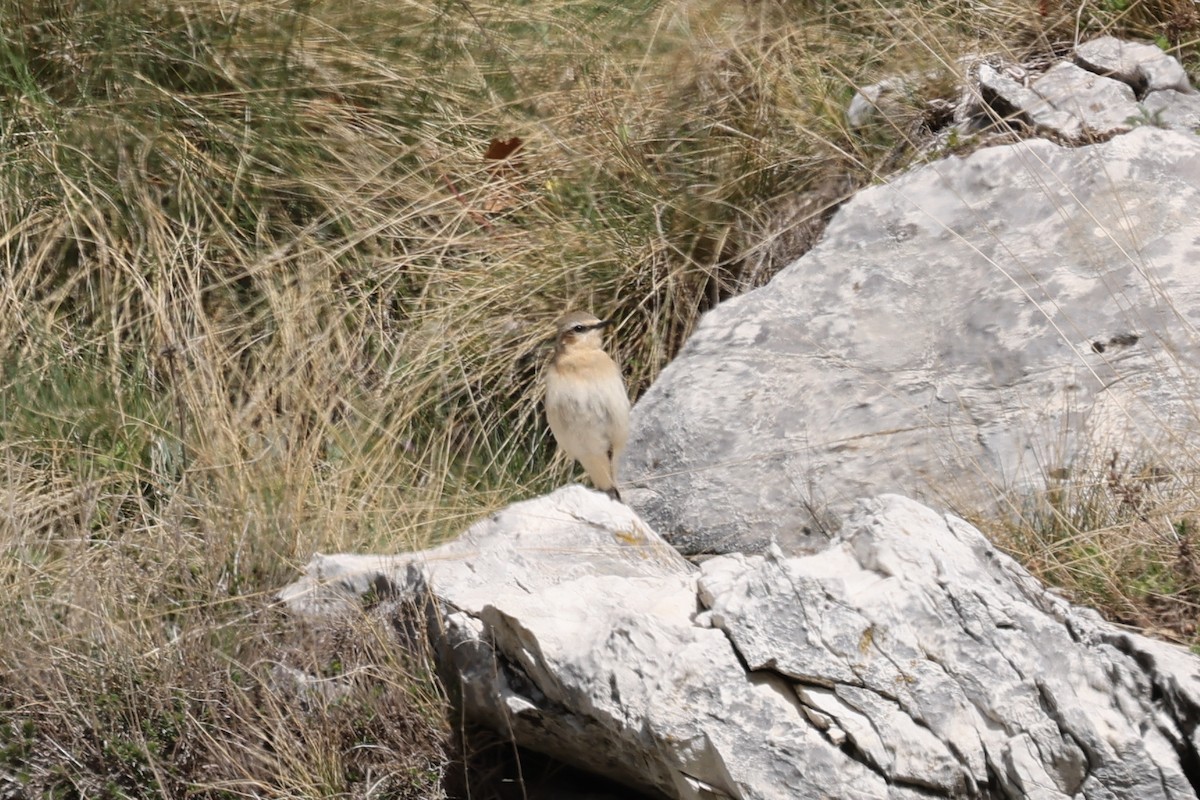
[586, 402]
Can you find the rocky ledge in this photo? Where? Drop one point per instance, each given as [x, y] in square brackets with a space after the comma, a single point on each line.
[1109, 87]
[908, 660]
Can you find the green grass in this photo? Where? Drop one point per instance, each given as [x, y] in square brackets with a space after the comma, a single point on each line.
[262, 295]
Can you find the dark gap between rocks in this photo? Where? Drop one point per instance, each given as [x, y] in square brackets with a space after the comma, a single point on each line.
[489, 767]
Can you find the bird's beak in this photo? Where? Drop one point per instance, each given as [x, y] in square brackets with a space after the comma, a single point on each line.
[602, 324]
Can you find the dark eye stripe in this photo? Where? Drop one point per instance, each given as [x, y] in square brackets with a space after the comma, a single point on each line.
[583, 328]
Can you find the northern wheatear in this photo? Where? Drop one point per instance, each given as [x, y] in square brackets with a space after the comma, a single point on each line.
[586, 401]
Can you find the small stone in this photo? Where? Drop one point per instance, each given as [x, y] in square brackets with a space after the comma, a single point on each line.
[1144, 67]
[872, 104]
[1103, 106]
[1011, 99]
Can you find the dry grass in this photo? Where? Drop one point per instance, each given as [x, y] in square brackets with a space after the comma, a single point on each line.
[262, 294]
[1121, 538]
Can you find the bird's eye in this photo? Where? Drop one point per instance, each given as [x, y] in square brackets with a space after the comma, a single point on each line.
[579, 328]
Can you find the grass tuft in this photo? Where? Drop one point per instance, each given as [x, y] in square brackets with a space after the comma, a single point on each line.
[1122, 539]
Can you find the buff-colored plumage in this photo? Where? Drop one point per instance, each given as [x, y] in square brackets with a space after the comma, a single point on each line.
[586, 402]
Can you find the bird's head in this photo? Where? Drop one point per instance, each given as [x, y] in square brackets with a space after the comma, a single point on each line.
[580, 329]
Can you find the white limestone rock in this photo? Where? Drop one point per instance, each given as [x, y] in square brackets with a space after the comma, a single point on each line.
[1015, 101]
[571, 624]
[1144, 67]
[958, 334]
[1110, 87]
[1102, 106]
[908, 660]
[971, 668]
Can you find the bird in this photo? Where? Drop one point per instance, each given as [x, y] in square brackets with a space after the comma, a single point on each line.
[586, 402]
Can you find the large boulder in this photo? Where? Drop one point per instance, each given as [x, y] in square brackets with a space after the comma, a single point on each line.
[908, 660]
[961, 332]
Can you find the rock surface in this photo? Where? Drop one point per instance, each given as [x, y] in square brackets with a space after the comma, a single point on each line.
[1144, 67]
[1102, 106]
[1172, 109]
[1010, 99]
[969, 328]
[1110, 87]
[910, 659]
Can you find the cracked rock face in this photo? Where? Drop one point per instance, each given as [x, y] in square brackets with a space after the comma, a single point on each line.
[961, 332]
[947, 666]
[909, 659]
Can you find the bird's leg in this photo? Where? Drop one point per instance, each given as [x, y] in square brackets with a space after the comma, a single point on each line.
[612, 474]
